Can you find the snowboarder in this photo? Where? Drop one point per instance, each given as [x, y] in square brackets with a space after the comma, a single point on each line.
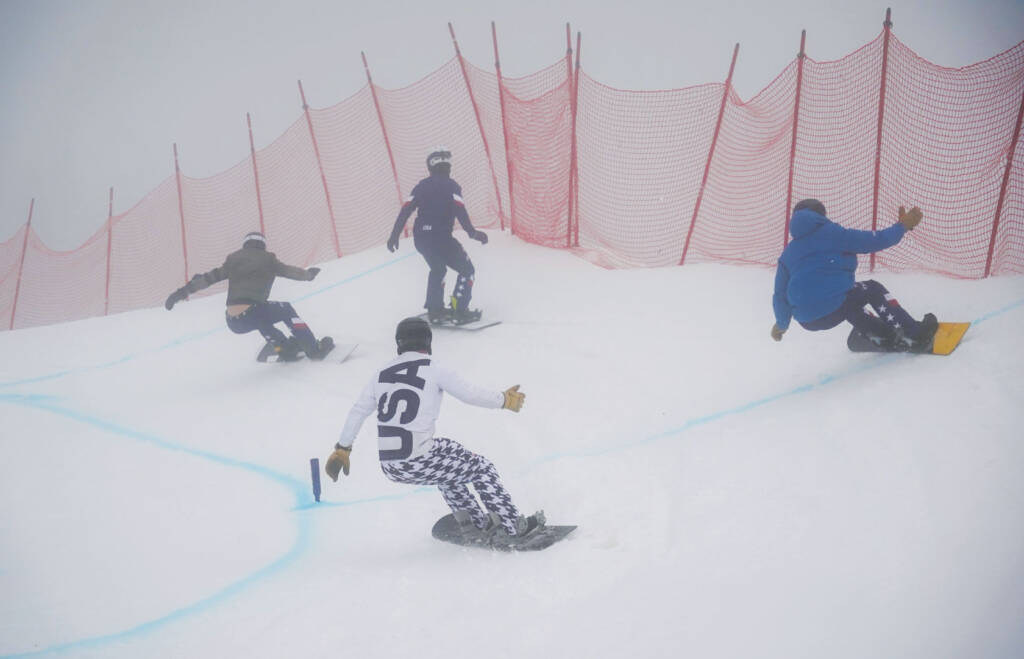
[438, 199]
[814, 281]
[250, 272]
[406, 395]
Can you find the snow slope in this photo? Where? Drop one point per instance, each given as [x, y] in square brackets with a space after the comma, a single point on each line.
[735, 497]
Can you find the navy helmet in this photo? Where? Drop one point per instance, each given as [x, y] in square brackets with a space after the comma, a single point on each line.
[811, 205]
[413, 334]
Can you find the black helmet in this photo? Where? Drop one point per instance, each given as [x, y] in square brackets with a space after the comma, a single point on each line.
[413, 334]
[439, 160]
[255, 239]
[811, 205]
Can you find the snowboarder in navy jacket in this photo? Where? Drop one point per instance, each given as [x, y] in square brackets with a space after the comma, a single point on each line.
[814, 280]
[439, 201]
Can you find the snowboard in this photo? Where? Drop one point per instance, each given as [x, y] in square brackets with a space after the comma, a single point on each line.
[474, 326]
[446, 529]
[947, 338]
[338, 354]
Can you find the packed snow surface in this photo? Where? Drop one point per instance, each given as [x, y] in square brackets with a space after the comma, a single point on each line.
[735, 497]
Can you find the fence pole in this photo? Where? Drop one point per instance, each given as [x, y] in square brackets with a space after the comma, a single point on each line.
[887, 25]
[110, 239]
[384, 131]
[504, 131]
[711, 153]
[21, 264]
[1002, 188]
[181, 211]
[323, 177]
[479, 123]
[572, 137]
[796, 122]
[575, 150]
[256, 174]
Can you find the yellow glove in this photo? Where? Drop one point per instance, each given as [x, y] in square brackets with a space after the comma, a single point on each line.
[514, 399]
[910, 219]
[777, 333]
[337, 462]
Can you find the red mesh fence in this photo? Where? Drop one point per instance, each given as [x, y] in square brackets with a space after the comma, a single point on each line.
[355, 162]
[156, 223]
[625, 178]
[538, 120]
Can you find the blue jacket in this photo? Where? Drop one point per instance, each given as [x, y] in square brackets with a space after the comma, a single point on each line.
[817, 268]
[439, 200]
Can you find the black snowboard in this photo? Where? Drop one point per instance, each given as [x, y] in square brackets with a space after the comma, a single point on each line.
[447, 530]
[474, 326]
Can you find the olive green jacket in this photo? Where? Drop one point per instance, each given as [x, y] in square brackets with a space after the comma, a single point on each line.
[250, 273]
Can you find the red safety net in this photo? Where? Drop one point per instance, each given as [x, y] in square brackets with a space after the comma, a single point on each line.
[623, 178]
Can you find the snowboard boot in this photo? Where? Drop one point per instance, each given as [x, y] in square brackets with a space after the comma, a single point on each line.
[925, 334]
[463, 316]
[439, 316]
[471, 534]
[323, 347]
[525, 528]
[282, 351]
[289, 351]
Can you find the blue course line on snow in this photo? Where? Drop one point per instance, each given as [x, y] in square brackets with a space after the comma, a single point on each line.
[297, 488]
[188, 338]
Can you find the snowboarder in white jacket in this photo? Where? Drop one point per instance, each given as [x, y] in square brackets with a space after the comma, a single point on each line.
[406, 396]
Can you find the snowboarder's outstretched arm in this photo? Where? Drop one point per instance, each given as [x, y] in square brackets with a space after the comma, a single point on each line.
[462, 215]
[866, 242]
[403, 216]
[452, 383]
[197, 283]
[780, 302]
[294, 272]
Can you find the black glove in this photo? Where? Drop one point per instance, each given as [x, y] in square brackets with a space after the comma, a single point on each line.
[479, 235]
[312, 272]
[393, 243]
[176, 297]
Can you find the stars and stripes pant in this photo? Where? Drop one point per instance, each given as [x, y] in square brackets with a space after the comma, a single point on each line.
[442, 253]
[453, 468]
[891, 316]
[263, 316]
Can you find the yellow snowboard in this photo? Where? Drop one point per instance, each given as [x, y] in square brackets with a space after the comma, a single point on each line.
[947, 337]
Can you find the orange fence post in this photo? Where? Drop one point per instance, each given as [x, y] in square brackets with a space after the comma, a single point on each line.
[480, 125]
[255, 174]
[796, 122]
[21, 264]
[572, 137]
[575, 158]
[711, 154]
[504, 131]
[181, 211]
[323, 177]
[110, 238]
[881, 120]
[384, 131]
[1002, 189]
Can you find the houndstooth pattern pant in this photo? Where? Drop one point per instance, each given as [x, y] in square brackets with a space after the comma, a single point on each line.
[452, 468]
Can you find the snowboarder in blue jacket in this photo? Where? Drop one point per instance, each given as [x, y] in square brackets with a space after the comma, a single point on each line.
[438, 198]
[814, 281]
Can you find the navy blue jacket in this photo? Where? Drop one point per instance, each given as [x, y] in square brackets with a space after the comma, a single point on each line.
[816, 270]
[439, 200]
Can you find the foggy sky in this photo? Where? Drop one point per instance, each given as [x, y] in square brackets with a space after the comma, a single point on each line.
[96, 91]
